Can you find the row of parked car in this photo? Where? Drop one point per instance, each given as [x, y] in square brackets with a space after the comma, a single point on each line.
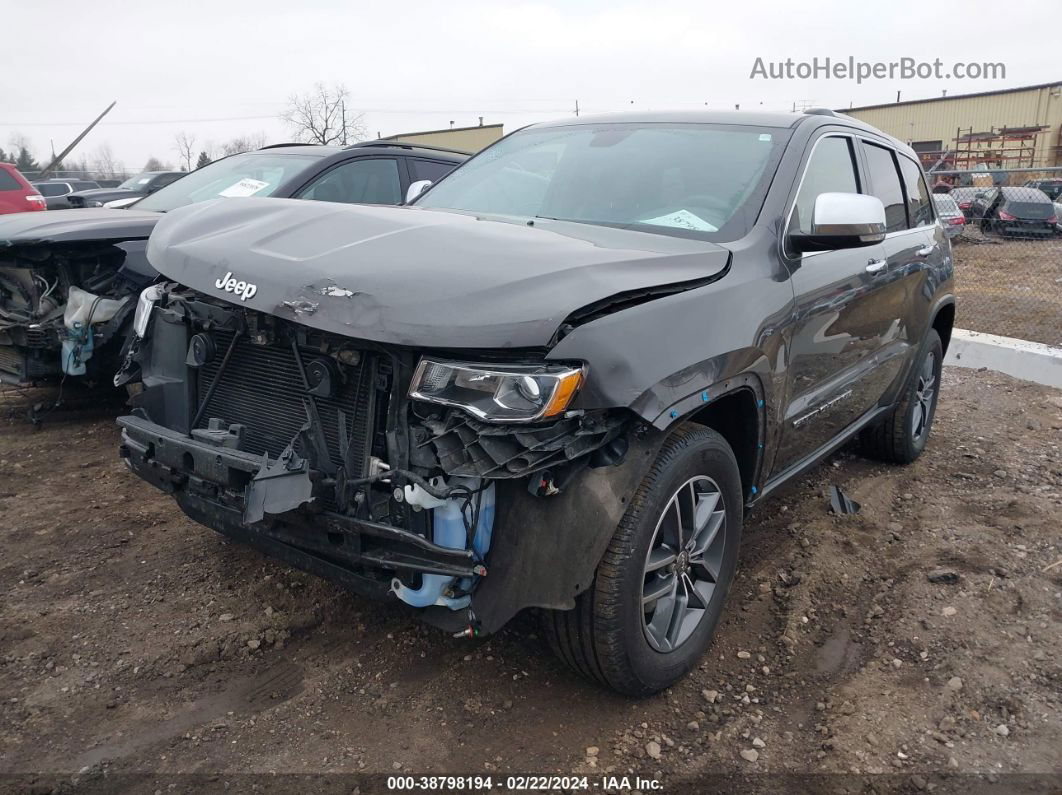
[1032, 210]
[554, 380]
[94, 249]
[63, 193]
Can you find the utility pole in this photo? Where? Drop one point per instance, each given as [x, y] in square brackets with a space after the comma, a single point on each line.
[576, 107]
[56, 161]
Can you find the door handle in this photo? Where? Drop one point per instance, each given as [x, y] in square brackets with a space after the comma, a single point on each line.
[876, 266]
[925, 251]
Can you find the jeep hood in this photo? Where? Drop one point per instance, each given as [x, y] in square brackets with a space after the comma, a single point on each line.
[73, 226]
[419, 277]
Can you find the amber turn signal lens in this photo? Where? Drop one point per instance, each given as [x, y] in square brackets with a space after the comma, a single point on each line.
[563, 394]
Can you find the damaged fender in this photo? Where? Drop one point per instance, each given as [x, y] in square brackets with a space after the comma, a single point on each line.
[545, 551]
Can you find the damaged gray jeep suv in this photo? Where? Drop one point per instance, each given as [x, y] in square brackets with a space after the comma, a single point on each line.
[558, 379]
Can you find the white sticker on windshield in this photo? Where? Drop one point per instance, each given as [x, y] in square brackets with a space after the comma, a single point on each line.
[683, 219]
[245, 187]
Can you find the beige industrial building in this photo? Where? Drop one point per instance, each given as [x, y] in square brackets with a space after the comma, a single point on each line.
[1005, 129]
[464, 139]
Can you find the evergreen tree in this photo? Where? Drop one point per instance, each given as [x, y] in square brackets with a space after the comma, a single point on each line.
[204, 160]
[25, 161]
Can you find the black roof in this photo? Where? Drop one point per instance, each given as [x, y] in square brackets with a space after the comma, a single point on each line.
[815, 117]
[1026, 192]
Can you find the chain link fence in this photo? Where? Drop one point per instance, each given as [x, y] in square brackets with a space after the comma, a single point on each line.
[1006, 228]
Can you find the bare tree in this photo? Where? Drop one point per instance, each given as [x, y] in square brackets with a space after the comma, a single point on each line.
[20, 141]
[321, 116]
[104, 163]
[244, 143]
[154, 164]
[184, 144]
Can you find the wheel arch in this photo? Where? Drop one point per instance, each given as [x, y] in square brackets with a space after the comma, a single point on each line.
[736, 410]
[944, 321]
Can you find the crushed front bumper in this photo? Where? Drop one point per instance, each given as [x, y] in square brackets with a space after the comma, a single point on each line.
[275, 504]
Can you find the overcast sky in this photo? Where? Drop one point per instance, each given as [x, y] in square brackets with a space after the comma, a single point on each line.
[221, 69]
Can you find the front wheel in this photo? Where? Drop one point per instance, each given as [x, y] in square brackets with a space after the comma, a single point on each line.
[659, 590]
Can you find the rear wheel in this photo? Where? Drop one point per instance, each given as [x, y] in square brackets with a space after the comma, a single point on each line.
[903, 436]
[659, 590]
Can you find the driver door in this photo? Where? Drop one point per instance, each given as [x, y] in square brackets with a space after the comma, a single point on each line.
[840, 323]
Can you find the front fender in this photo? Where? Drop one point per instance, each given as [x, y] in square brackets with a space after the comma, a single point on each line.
[545, 550]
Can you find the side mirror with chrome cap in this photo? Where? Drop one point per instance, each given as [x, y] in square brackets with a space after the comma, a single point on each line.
[842, 220]
[417, 188]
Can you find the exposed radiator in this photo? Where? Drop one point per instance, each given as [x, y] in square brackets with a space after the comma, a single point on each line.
[263, 390]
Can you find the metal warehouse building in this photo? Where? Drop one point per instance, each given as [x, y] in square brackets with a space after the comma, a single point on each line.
[1006, 129]
[465, 139]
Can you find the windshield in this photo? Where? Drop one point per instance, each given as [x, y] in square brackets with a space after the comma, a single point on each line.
[135, 183]
[693, 180]
[249, 174]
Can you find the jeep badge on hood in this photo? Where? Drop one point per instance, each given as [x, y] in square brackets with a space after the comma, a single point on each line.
[229, 284]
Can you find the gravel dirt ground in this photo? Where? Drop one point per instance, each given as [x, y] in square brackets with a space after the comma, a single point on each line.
[919, 638]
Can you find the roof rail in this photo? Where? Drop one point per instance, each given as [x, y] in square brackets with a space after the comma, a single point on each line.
[293, 143]
[821, 112]
[406, 145]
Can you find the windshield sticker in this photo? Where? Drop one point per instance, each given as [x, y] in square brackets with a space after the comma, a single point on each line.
[245, 187]
[683, 219]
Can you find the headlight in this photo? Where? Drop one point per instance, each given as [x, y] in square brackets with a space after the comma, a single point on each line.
[497, 393]
[148, 297]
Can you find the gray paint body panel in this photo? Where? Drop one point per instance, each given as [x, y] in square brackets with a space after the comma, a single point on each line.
[416, 277]
[76, 226]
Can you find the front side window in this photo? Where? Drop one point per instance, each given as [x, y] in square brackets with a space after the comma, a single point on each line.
[249, 174]
[885, 184]
[430, 169]
[919, 205]
[366, 181]
[690, 180]
[831, 169]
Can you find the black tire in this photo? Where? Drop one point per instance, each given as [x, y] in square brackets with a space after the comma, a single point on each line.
[902, 437]
[606, 637]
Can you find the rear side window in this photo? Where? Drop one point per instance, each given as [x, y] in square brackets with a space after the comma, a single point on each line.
[430, 169]
[830, 170]
[885, 184]
[53, 188]
[919, 205]
[8, 181]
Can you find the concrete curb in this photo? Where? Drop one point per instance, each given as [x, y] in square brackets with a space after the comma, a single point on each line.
[1032, 361]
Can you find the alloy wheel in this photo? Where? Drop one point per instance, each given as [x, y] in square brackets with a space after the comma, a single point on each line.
[683, 565]
[925, 396]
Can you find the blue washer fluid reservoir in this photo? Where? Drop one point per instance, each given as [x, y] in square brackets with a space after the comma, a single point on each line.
[448, 530]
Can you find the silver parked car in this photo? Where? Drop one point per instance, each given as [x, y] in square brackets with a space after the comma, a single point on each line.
[951, 216]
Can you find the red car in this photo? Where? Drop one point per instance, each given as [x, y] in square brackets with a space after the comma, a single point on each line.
[16, 194]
